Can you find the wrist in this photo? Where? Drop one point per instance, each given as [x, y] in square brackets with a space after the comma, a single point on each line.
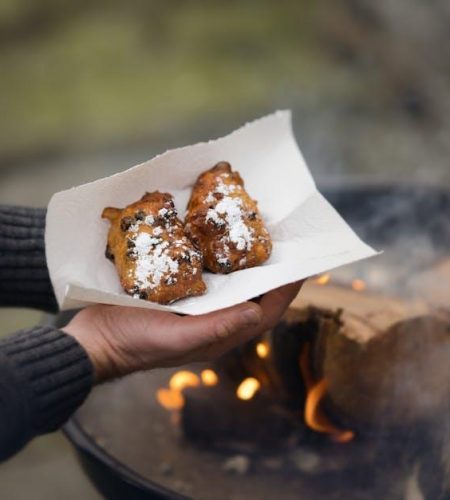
[85, 333]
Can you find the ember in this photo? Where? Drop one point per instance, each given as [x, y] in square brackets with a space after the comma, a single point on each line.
[209, 377]
[358, 285]
[183, 379]
[170, 399]
[262, 349]
[323, 279]
[248, 388]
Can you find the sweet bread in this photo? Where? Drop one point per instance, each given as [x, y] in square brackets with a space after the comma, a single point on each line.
[154, 258]
[224, 223]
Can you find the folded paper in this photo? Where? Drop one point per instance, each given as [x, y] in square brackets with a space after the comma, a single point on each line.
[309, 236]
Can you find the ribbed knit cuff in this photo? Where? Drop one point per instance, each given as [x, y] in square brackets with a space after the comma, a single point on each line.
[55, 373]
[24, 278]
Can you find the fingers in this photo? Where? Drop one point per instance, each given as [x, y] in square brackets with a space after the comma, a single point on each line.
[199, 331]
[275, 303]
[210, 335]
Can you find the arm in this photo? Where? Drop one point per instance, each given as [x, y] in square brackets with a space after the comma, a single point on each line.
[45, 373]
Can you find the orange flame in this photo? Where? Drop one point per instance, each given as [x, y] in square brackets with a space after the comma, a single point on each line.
[248, 388]
[170, 399]
[262, 349]
[209, 377]
[323, 279]
[314, 416]
[358, 285]
[183, 379]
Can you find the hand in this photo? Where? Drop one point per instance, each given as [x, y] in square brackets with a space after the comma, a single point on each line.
[121, 340]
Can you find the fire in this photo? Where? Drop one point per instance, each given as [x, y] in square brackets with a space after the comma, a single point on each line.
[209, 377]
[358, 285]
[248, 388]
[170, 399]
[262, 349]
[323, 279]
[183, 379]
[315, 418]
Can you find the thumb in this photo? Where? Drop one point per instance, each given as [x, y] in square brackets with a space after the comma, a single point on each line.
[198, 331]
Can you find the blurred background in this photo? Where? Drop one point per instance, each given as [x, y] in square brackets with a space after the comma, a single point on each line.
[89, 88]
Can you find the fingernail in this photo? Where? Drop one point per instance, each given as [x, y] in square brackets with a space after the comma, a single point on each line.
[251, 317]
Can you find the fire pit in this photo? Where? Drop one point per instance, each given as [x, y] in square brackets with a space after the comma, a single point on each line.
[348, 397]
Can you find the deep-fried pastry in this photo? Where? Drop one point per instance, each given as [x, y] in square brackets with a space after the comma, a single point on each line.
[224, 223]
[154, 258]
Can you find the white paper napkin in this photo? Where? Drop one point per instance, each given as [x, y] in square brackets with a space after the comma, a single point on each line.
[309, 236]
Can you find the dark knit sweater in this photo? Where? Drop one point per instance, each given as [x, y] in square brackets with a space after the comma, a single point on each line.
[44, 373]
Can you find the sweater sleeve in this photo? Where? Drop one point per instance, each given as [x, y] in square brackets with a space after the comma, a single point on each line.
[44, 376]
[24, 277]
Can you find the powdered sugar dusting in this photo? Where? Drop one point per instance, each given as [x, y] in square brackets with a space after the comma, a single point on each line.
[153, 261]
[229, 211]
[225, 189]
[151, 252]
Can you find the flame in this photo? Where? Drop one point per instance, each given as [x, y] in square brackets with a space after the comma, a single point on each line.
[358, 285]
[315, 418]
[170, 399]
[183, 379]
[323, 279]
[209, 377]
[262, 349]
[248, 388]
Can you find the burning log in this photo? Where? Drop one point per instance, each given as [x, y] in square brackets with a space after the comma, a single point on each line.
[368, 367]
[373, 312]
[384, 361]
[258, 402]
[397, 379]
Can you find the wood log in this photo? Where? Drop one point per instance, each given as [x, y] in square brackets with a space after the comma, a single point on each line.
[384, 369]
[377, 312]
[398, 378]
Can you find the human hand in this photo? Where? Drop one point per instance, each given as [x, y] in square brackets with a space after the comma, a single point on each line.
[121, 340]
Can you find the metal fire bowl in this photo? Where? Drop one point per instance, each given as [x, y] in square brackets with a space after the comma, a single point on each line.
[113, 428]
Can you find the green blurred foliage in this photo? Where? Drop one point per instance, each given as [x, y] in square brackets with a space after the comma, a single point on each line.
[367, 80]
[104, 71]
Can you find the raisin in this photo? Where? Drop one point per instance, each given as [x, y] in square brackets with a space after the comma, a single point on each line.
[225, 267]
[140, 215]
[218, 196]
[170, 213]
[252, 215]
[184, 258]
[130, 254]
[171, 280]
[143, 295]
[130, 243]
[126, 223]
[108, 254]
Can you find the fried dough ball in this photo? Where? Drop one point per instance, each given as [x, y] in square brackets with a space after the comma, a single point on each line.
[154, 258]
[224, 223]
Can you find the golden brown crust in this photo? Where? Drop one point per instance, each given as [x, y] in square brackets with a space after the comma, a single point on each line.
[224, 223]
[154, 259]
